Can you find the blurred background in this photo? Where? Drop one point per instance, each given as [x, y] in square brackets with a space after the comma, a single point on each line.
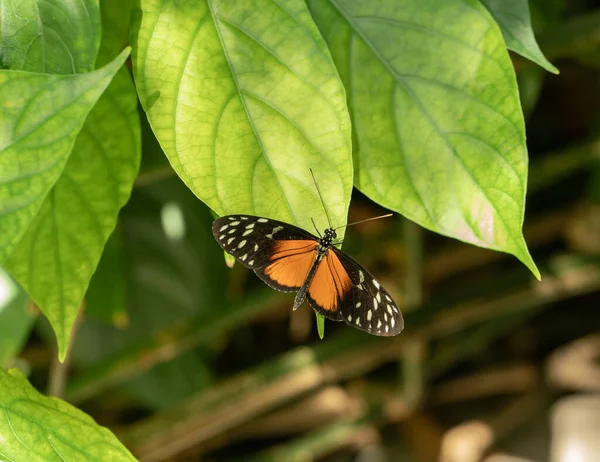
[186, 359]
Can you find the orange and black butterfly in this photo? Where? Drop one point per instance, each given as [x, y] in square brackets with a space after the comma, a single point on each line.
[291, 259]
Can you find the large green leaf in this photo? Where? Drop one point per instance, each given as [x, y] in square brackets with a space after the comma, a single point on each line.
[49, 36]
[36, 428]
[515, 23]
[16, 319]
[436, 111]
[42, 114]
[244, 104]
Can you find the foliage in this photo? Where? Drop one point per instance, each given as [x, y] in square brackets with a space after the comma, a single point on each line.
[415, 103]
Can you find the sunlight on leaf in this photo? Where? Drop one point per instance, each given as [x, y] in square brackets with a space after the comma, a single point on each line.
[246, 102]
[440, 133]
[35, 427]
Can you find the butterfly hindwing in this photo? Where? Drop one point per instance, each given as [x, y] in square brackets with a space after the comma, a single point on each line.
[328, 287]
[279, 253]
[366, 304]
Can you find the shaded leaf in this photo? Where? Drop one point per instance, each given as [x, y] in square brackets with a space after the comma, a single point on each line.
[16, 319]
[515, 23]
[171, 278]
[105, 299]
[246, 102]
[49, 36]
[439, 129]
[36, 428]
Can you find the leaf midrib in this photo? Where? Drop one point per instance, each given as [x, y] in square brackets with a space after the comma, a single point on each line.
[244, 105]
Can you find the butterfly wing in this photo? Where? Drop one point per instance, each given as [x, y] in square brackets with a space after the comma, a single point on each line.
[279, 253]
[329, 287]
[366, 305]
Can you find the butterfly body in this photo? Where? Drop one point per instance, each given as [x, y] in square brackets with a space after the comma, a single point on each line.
[290, 259]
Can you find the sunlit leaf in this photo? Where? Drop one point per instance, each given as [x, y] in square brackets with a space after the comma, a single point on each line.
[439, 128]
[36, 428]
[515, 23]
[245, 104]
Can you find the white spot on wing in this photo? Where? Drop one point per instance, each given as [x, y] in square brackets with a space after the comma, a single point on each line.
[387, 328]
[378, 296]
[251, 262]
[222, 237]
[244, 218]
[234, 223]
[389, 308]
[388, 298]
[242, 244]
[231, 218]
[262, 220]
[379, 324]
[249, 231]
[376, 284]
[243, 257]
[255, 247]
[369, 315]
[358, 304]
[361, 276]
[349, 318]
[393, 322]
[230, 240]
[358, 321]
[375, 304]
[275, 230]
[250, 226]
[231, 231]
[224, 227]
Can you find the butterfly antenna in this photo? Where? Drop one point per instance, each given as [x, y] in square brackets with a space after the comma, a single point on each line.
[321, 197]
[368, 219]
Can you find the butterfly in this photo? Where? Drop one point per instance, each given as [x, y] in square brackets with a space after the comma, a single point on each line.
[290, 259]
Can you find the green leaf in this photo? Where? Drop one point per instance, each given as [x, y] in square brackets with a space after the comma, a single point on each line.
[55, 248]
[16, 319]
[37, 428]
[515, 23]
[49, 36]
[42, 114]
[105, 299]
[439, 129]
[246, 102]
[320, 325]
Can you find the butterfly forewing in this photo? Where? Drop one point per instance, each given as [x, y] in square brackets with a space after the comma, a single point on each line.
[279, 253]
[366, 304]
